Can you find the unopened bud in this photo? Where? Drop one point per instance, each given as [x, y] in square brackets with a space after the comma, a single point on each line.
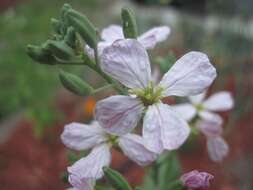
[129, 23]
[40, 55]
[75, 84]
[70, 37]
[83, 26]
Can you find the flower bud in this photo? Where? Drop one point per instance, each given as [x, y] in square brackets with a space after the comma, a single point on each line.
[83, 26]
[116, 179]
[70, 37]
[129, 23]
[75, 84]
[196, 180]
[59, 49]
[56, 25]
[40, 55]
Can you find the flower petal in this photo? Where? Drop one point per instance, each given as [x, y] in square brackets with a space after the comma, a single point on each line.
[217, 148]
[118, 114]
[212, 117]
[197, 99]
[185, 110]
[101, 46]
[189, 76]
[157, 34]
[209, 128]
[112, 33]
[92, 165]
[220, 101]
[134, 147]
[127, 61]
[81, 137]
[163, 125]
[81, 183]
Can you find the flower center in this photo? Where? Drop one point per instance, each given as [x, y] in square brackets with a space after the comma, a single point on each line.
[149, 95]
[112, 139]
[199, 107]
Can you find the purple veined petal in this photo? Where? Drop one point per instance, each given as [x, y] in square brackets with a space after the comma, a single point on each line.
[118, 114]
[186, 111]
[217, 148]
[81, 183]
[101, 46]
[78, 136]
[197, 99]
[164, 129]
[127, 61]
[134, 147]
[189, 76]
[196, 180]
[211, 117]
[150, 38]
[112, 33]
[220, 101]
[209, 128]
[92, 165]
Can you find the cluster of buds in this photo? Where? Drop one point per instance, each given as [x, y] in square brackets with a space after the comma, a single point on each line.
[121, 58]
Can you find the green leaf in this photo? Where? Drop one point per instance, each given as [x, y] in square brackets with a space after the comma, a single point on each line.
[129, 23]
[75, 84]
[116, 179]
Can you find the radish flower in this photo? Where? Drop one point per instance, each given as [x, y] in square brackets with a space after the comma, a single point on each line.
[127, 61]
[198, 106]
[148, 39]
[83, 137]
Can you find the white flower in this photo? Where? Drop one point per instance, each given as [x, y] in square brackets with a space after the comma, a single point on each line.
[114, 32]
[216, 146]
[127, 61]
[82, 137]
[220, 101]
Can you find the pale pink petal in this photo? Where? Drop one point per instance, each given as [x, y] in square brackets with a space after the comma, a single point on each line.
[127, 61]
[81, 183]
[101, 46]
[209, 128]
[212, 117]
[134, 147]
[217, 148]
[157, 34]
[112, 33]
[163, 125]
[189, 76]
[81, 137]
[118, 114]
[197, 99]
[92, 165]
[220, 101]
[186, 111]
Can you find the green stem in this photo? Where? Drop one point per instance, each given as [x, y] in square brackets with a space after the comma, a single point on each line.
[102, 88]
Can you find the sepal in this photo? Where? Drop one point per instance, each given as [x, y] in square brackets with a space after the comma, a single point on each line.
[129, 23]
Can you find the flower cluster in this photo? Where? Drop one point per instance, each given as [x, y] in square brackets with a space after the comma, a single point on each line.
[127, 61]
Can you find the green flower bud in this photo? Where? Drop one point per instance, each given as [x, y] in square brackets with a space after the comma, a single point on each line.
[57, 25]
[129, 23]
[83, 26]
[116, 179]
[59, 49]
[75, 84]
[70, 37]
[40, 55]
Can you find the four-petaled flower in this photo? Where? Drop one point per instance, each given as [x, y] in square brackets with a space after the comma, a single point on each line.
[127, 61]
[221, 101]
[196, 180]
[114, 32]
[82, 137]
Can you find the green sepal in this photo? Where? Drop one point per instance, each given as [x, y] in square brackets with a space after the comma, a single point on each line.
[59, 49]
[75, 84]
[115, 179]
[83, 26]
[56, 25]
[130, 29]
[40, 55]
